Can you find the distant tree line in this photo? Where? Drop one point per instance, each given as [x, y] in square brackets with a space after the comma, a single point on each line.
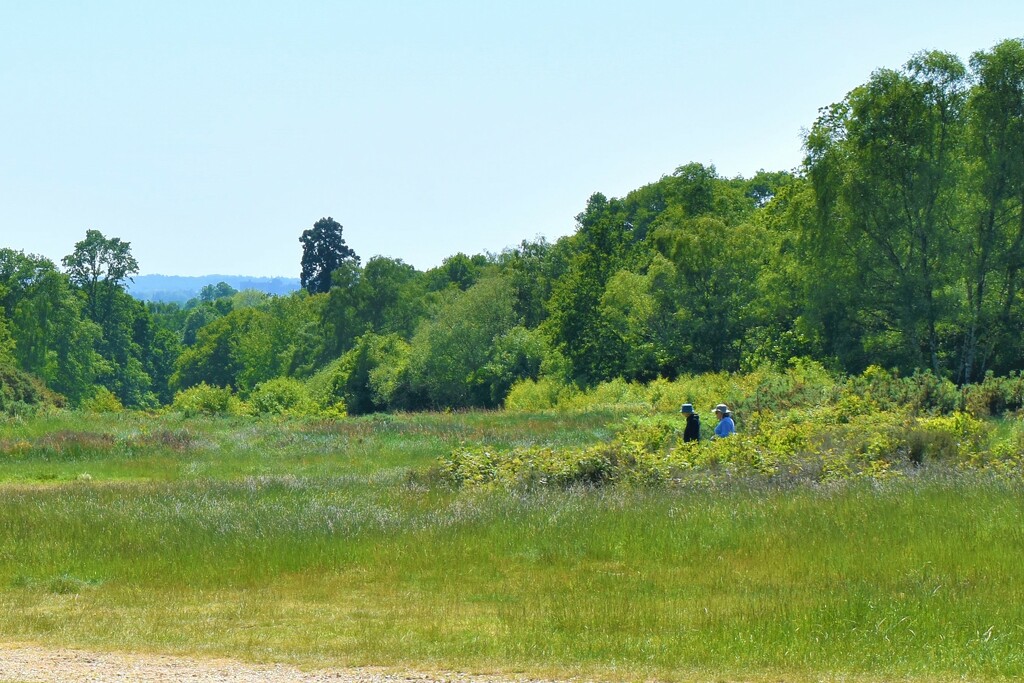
[899, 242]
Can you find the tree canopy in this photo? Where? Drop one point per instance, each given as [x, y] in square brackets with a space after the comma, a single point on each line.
[323, 252]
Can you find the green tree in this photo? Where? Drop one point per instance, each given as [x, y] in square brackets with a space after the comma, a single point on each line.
[341, 320]
[323, 252]
[884, 166]
[460, 271]
[51, 338]
[215, 358]
[450, 351]
[127, 337]
[532, 268]
[713, 275]
[575, 324]
[6, 341]
[375, 374]
[778, 316]
[515, 355]
[221, 290]
[390, 297]
[995, 244]
[99, 266]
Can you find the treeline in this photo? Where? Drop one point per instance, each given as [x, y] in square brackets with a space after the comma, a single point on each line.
[899, 243]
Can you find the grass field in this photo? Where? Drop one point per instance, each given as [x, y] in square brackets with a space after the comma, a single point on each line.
[310, 543]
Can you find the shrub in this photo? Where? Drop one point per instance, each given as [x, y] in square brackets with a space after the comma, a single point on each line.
[803, 383]
[530, 395]
[370, 377]
[995, 395]
[922, 392]
[282, 396]
[616, 393]
[944, 437]
[326, 387]
[203, 399]
[102, 400]
[20, 392]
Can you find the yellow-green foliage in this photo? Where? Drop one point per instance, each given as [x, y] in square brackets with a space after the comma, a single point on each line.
[946, 437]
[1003, 454]
[535, 395]
[703, 391]
[799, 423]
[995, 395]
[326, 386]
[803, 383]
[846, 440]
[287, 396]
[22, 393]
[617, 393]
[102, 401]
[203, 399]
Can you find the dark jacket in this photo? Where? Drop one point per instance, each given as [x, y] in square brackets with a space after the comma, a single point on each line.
[692, 431]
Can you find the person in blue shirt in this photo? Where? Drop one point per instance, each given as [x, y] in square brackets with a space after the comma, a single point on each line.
[725, 426]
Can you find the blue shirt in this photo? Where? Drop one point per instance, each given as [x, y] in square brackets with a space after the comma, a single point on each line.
[725, 427]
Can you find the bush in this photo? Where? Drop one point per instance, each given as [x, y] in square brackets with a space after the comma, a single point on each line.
[921, 393]
[282, 396]
[372, 376]
[530, 395]
[803, 383]
[995, 395]
[616, 393]
[948, 438]
[203, 399]
[20, 392]
[703, 391]
[102, 400]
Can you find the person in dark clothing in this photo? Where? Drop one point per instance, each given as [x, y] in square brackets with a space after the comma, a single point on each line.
[692, 430]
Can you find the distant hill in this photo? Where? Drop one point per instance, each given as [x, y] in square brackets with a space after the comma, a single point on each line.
[181, 288]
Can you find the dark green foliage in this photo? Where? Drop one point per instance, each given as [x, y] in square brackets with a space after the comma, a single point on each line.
[532, 269]
[221, 290]
[575, 323]
[385, 297]
[456, 271]
[52, 339]
[323, 252]
[211, 360]
[449, 354]
[99, 266]
[20, 392]
[374, 376]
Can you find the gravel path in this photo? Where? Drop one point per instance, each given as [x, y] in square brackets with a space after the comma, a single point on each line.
[32, 664]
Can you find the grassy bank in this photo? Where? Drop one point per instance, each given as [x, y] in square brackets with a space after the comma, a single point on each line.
[308, 543]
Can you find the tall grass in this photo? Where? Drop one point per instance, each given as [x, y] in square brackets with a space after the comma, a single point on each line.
[906, 579]
[307, 541]
[64, 446]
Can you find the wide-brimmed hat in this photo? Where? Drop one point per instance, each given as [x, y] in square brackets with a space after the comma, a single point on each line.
[722, 408]
[687, 409]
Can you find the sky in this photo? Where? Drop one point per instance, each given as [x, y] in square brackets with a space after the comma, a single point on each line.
[210, 134]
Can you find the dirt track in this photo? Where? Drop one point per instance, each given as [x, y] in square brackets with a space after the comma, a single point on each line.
[26, 663]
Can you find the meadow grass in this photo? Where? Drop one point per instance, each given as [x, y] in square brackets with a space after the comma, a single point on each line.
[134, 446]
[290, 546]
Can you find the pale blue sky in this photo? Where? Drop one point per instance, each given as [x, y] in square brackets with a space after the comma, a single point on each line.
[211, 134]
